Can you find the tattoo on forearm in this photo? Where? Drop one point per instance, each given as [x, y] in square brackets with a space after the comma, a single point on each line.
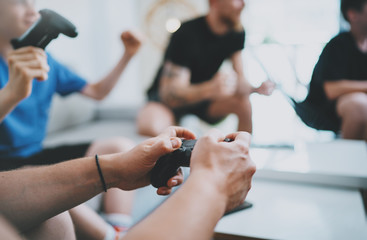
[170, 72]
[174, 99]
[172, 75]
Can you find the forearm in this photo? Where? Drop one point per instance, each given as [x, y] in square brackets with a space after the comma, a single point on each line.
[7, 103]
[244, 87]
[191, 213]
[336, 89]
[30, 196]
[177, 96]
[103, 87]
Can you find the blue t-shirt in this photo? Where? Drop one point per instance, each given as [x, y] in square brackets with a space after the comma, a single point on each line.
[23, 130]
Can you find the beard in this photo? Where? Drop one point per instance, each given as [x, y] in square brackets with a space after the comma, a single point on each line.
[233, 23]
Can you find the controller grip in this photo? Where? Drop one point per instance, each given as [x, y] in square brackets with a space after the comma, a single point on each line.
[168, 165]
[47, 28]
[163, 171]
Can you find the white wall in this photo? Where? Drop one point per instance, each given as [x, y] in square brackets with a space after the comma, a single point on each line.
[98, 47]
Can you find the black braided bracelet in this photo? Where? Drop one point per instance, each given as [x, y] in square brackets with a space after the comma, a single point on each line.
[100, 174]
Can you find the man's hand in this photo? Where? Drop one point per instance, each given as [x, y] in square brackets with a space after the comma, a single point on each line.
[266, 88]
[224, 84]
[25, 64]
[132, 42]
[135, 167]
[228, 165]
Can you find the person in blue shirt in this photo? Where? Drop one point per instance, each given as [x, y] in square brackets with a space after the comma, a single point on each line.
[29, 77]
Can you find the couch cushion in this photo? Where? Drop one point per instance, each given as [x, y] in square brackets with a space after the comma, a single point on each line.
[70, 111]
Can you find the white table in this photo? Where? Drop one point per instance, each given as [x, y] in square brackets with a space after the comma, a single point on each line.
[337, 163]
[284, 210]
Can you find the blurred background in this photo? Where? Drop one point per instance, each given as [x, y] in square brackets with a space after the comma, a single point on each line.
[283, 41]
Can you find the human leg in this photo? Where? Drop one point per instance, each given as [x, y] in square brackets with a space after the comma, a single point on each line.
[153, 118]
[352, 108]
[239, 105]
[58, 227]
[88, 224]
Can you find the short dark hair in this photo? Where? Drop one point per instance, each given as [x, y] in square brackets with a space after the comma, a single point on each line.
[351, 4]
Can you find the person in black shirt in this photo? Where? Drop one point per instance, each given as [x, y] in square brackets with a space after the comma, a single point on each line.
[339, 82]
[189, 80]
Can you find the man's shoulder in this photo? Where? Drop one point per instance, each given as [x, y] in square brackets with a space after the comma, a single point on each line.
[342, 38]
[193, 24]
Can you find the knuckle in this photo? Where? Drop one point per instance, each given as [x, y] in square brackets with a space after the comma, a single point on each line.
[33, 50]
[249, 186]
[164, 144]
[243, 148]
[23, 73]
[252, 169]
[206, 139]
[11, 60]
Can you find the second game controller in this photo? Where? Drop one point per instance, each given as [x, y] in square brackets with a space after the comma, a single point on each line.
[168, 165]
[47, 28]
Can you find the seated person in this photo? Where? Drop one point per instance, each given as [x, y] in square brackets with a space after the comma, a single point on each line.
[35, 199]
[189, 82]
[25, 102]
[339, 81]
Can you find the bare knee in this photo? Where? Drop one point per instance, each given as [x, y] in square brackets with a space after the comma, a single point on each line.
[58, 227]
[353, 107]
[154, 118]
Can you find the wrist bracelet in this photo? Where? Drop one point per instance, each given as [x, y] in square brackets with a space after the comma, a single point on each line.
[100, 174]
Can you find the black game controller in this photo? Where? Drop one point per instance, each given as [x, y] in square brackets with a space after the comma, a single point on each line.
[47, 28]
[168, 165]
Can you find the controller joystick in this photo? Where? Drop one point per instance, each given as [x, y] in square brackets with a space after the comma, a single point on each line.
[47, 28]
[168, 165]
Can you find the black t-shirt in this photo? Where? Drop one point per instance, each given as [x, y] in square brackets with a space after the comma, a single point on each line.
[340, 59]
[196, 47]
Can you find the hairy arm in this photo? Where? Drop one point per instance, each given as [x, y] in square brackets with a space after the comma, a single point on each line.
[335, 89]
[244, 85]
[186, 214]
[30, 196]
[103, 87]
[245, 88]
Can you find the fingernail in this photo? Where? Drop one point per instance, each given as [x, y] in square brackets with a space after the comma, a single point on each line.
[174, 183]
[175, 143]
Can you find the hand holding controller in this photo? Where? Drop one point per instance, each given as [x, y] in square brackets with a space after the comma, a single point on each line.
[168, 165]
[47, 28]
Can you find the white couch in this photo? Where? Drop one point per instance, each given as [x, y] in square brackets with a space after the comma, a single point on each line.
[78, 119]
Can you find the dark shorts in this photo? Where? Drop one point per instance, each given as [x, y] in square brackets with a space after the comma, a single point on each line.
[46, 157]
[321, 117]
[332, 116]
[200, 109]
